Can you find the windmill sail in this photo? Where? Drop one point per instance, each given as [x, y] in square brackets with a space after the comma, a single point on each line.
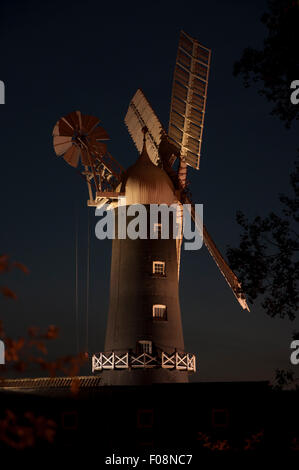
[228, 274]
[185, 133]
[140, 114]
[189, 94]
[224, 268]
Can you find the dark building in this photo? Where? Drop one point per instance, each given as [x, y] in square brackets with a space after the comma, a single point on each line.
[160, 419]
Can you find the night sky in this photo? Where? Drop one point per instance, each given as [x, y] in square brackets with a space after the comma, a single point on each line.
[56, 57]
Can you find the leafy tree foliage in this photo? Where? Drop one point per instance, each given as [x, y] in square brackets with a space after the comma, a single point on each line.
[266, 260]
[274, 67]
[23, 432]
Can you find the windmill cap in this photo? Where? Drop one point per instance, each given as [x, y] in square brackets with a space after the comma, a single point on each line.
[146, 183]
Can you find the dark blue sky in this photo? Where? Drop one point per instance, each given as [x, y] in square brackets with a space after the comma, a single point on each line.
[60, 56]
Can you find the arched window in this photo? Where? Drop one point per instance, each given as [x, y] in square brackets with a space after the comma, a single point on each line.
[159, 312]
[144, 346]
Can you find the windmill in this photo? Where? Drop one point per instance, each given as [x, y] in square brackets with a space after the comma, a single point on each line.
[144, 339]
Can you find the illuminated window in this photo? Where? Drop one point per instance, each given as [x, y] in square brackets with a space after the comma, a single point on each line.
[159, 312]
[159, 268]
[158, 229]
[144, 347]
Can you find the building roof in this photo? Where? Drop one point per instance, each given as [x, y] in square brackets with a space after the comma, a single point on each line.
[146, 183]
[50, 382]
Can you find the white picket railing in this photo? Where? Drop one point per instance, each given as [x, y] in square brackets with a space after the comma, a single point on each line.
[130, 360]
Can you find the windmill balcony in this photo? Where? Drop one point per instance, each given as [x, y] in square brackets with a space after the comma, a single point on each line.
[129, 360]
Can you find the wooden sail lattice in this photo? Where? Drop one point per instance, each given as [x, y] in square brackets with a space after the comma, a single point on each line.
[188, 101]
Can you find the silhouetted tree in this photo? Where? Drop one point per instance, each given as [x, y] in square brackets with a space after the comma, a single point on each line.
[266, 260]
[23, 431]
[276, 66]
